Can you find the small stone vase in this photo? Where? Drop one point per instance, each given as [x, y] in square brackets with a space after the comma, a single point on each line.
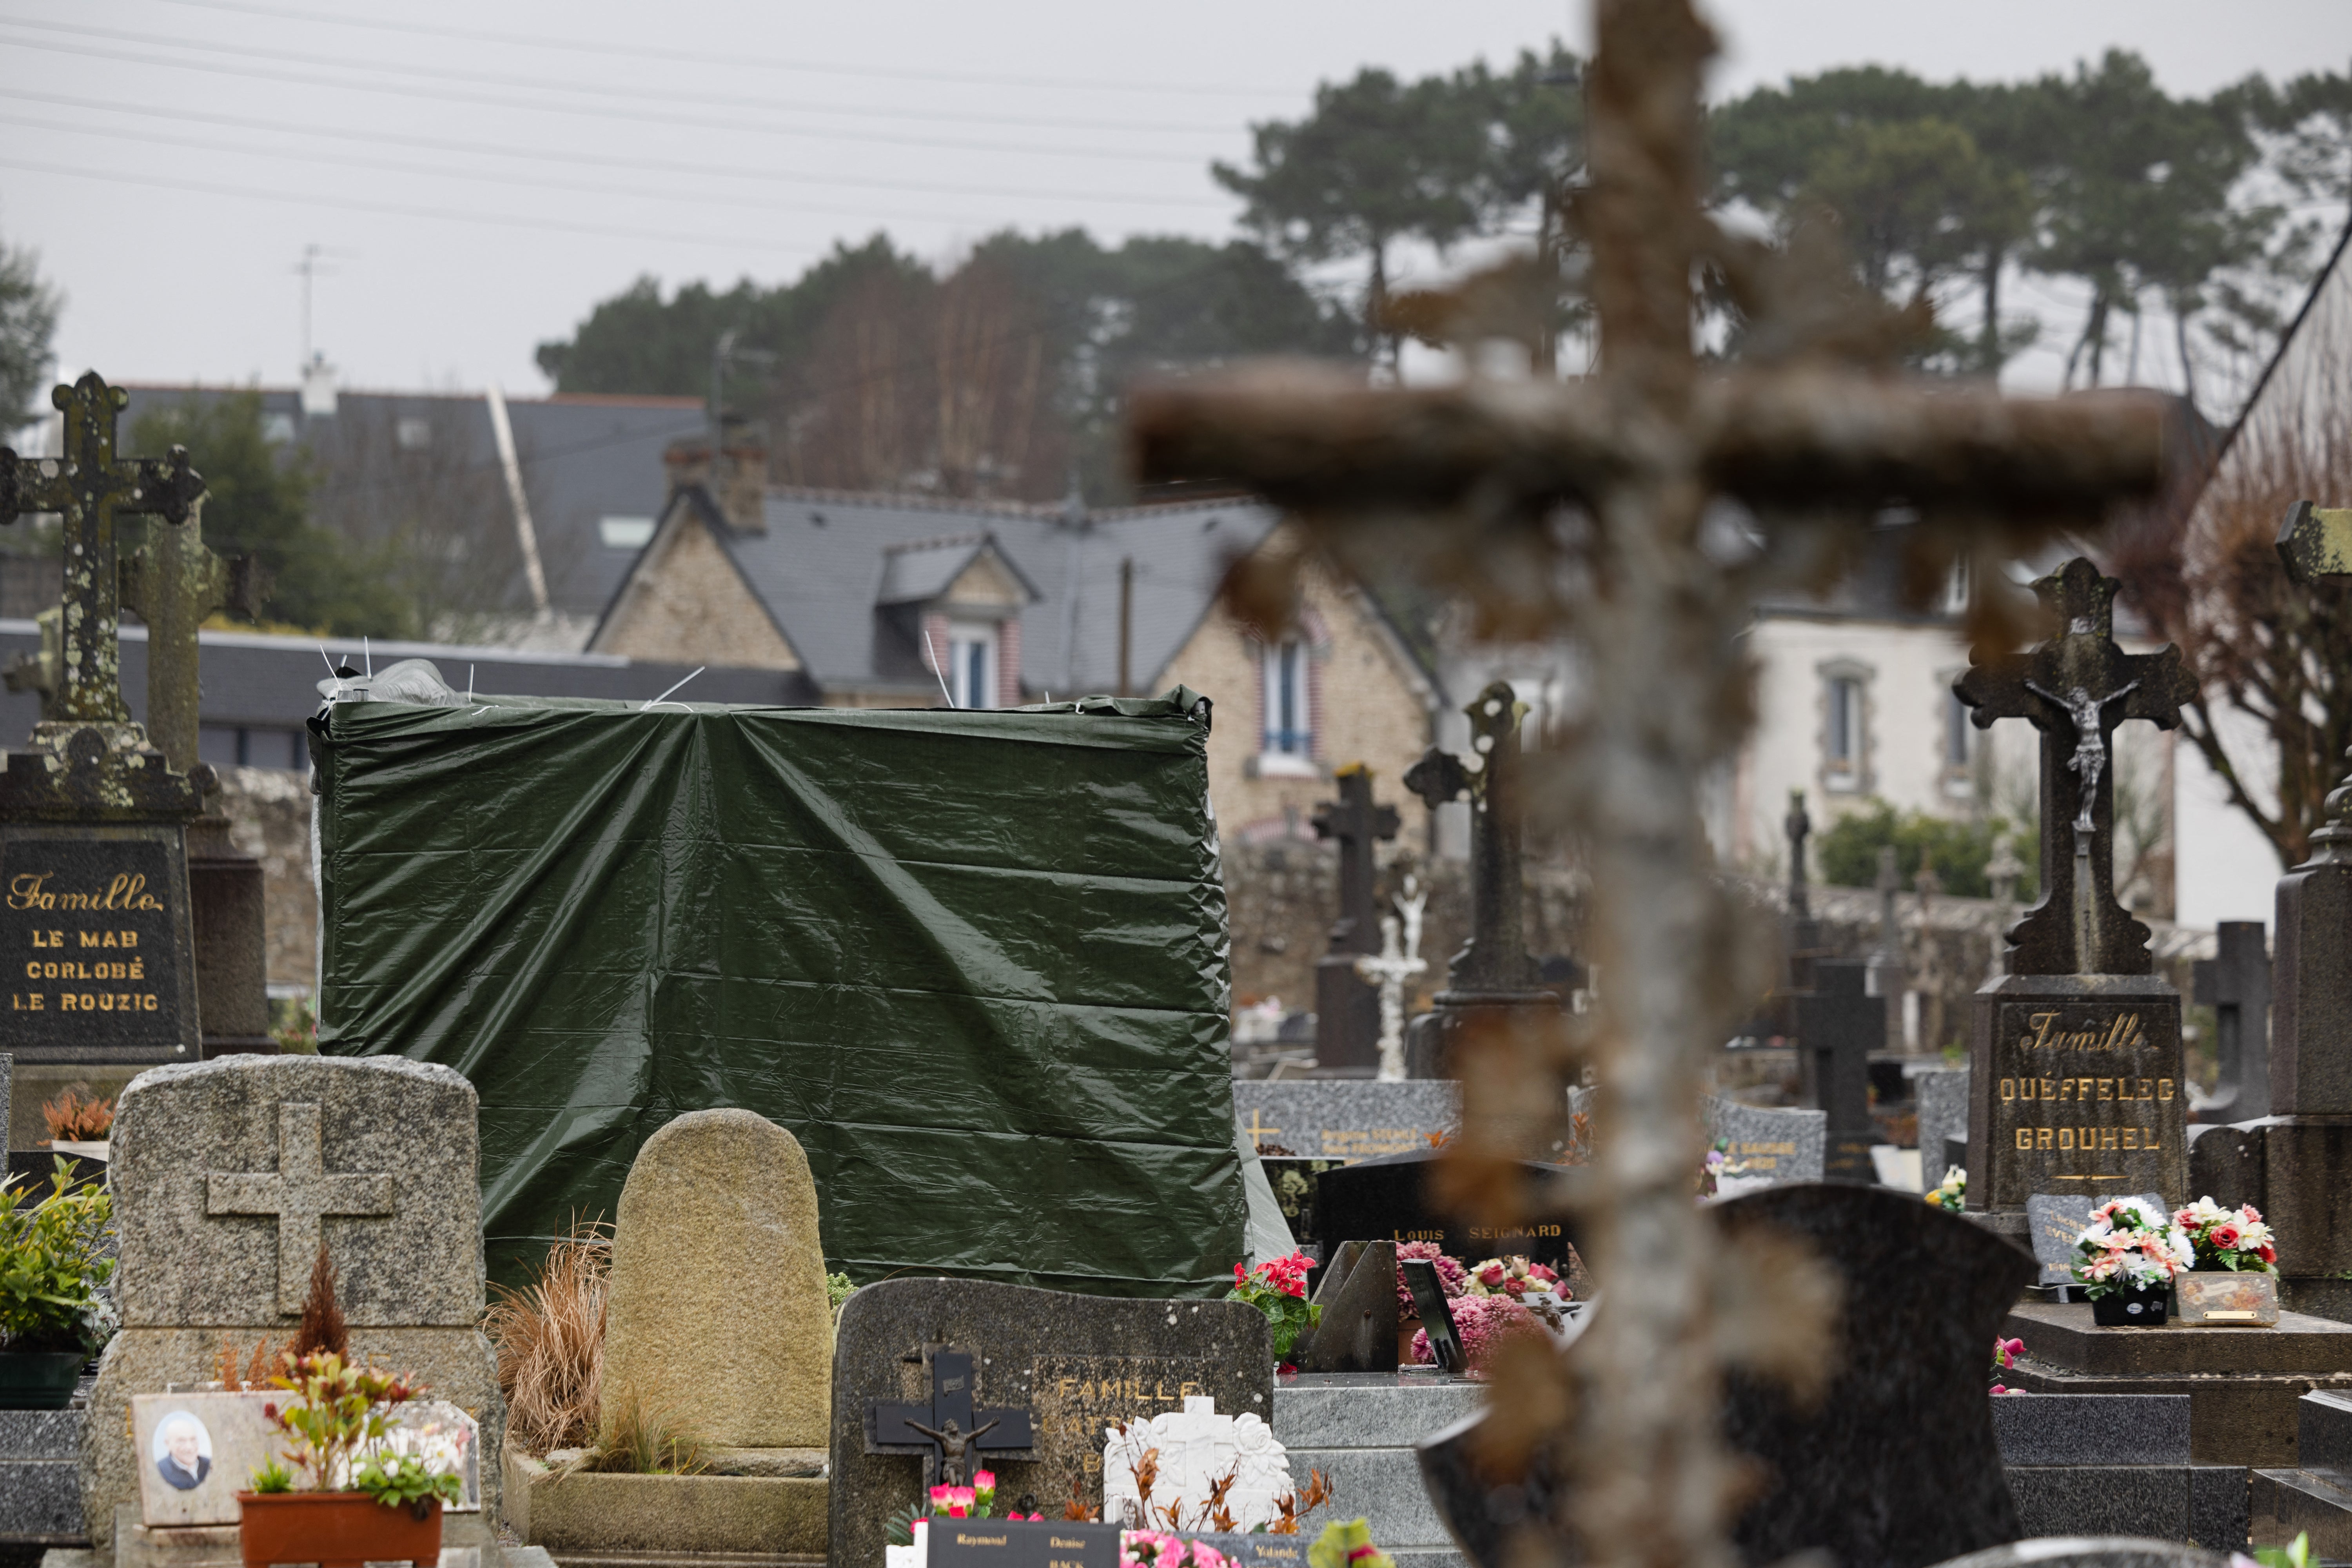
[2133, 1307]
[2223, 1298]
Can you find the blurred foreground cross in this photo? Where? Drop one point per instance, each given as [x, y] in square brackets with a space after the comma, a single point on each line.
[1471, 482]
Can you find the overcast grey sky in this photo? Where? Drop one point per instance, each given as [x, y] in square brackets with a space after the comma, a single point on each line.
[479, 175]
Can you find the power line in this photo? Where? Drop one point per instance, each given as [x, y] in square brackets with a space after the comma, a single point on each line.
[476, 149]
[604, 90]
[758, 62]
[605, 111]
[440, 172]
[395, 209]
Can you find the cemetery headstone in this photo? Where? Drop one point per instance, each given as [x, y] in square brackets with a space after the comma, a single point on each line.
[2236, 984]
[1358, 1331]
[1430, 1305]
[227, 1176]
[1492, 977]
[1346, 1006]
[2075, 1082]
[95, 924]
[1075, 1365]
[1389, 1199]
[2054, 1220]
[1839, 1024]
[1347, 1119]
[1942, 1096]
[1778, 1145]
[717, 1302]
[1905, 1415]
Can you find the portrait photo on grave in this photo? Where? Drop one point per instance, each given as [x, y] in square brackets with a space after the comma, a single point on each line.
[199, 1451]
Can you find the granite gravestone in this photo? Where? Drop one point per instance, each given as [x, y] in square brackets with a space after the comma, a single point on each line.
[1777, 1146]
[1839, 1023]
[1075, 1365]
[2075, 1060]
[1357, 1289]
[1942, 1096]
[1896, 1464]
[1492, 977]
[2236, 984]
[1389, 1199]
[96, 936]
[229, 1176]
[1347, 1119]
[1346, 1006]
[2055, 1221]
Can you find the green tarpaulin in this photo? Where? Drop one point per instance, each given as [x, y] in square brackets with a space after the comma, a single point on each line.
[976, 961]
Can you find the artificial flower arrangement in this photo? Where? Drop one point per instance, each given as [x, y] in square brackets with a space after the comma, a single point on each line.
[1514, 1276]
[1451, 1277]
[977, 1500]
[1279, 1288]
[357, 1496]
[1717, 1164]
[2129, 1246]
[2232, 1239]
[1952, 1193]
[1484, 1324]
[1340, 1545]
[2004, 1356]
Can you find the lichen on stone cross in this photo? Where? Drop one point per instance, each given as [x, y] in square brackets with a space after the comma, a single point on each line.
[92, 490]
[300, 1194]
[2076, 687]
[173, 582]
[1579, 509]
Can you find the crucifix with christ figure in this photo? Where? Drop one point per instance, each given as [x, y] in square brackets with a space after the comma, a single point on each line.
[2076, 687]
[950, 1431]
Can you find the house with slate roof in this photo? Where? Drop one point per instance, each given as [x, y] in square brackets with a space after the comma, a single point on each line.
[913, 600]
[541, 503]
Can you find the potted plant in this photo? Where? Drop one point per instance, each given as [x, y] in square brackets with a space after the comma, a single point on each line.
[2234, 1276]
[1279, 1288]
[357, 1501]
[2126, 1259]
[53, 1311]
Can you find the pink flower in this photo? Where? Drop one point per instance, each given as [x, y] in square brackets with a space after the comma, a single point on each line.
[1999, 1389]
[943, 1495]
[1543, 1272]
[962, 1495]
[983, 1480]
[1492, 1274]
[958, 1511]
[2013, 1347]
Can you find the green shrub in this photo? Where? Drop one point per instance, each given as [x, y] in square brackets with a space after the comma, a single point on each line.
[1848, 850]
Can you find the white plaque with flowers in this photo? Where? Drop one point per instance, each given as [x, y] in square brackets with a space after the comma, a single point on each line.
[1194, 1461]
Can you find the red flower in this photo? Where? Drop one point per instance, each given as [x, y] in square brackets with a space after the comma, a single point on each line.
[2224, 1236]
[2270, 1253]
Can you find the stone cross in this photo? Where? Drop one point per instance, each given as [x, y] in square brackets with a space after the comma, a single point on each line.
[1495, 958]
[2003, 871]
[173, 582]
[1798, 827]
[2236, 984]
[2311, 1019]
[94, 490]
[1839, 1023]
[1347, 1018]
[1399, 961]
[2076, 687]
[947, 1431]
[1605, 486]
[300, 1194]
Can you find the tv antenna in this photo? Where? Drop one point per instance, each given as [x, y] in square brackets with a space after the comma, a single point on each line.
[313, 265]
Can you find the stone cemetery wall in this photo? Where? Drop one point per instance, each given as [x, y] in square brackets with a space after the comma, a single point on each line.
[1283, 895]
[270, 819]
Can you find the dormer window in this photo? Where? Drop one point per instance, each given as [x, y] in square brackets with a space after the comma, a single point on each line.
[971, 665]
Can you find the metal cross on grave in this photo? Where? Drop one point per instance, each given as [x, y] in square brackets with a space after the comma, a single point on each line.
[949, 1432]
[1581, 509]
[301, 1195]
[93, 491]
[2076, 687]
[1495, 957]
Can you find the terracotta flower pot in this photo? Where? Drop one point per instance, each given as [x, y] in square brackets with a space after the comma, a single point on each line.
[337, 1529]
[38, 1379]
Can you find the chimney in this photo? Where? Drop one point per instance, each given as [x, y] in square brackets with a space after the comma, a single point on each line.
[317, 388]
[737, 487]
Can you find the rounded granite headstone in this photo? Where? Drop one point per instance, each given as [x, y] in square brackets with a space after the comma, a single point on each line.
[717, 1310]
